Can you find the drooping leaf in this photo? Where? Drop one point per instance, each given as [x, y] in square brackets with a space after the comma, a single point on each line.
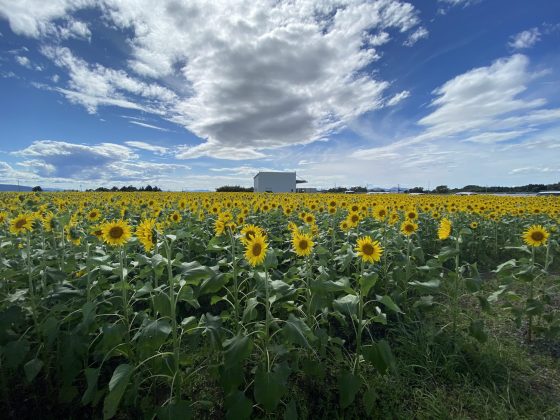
[117, 387]
[296, 331]
[92, 377]
[476, 329]
[237, 349]
[32, 369]
[390, 304]
[238, 406]
[176, 410]
[346, 305]
[379, 355]
[348, 386]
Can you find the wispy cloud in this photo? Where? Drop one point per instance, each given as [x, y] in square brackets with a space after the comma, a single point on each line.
[525, 39]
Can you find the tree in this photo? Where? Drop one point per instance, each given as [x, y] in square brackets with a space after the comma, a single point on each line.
[37, 189]
[233, 188]
[442, 189]
[416, 190]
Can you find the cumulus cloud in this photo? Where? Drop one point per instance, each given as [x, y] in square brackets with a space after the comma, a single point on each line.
[35, 18]
[525, 39]
[58, 159]
[238, 74]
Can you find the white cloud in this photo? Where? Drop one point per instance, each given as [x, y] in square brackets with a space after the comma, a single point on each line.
[23, 61]
[481, 97]
[525, 39]
[146, 146]
[95, 85]
[35, 18]
[75, 29]
[218, 151]
[416, 36]
[64, 160]
[245, 74]
[142, 124]
[397, 98]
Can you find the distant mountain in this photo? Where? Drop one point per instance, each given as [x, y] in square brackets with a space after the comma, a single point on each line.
[9, 187]
[22, 188]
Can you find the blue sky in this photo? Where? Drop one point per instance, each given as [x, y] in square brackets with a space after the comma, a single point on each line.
[196, 94]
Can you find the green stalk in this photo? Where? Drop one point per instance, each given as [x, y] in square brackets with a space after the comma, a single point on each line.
[531, 295]
[173, 301]
[456, 287]
[235, 283]
[360, 323]
[267, 319]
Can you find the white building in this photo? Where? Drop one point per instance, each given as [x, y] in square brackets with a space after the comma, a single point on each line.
[276, 182]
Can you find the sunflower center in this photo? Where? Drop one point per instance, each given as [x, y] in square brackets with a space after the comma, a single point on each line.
[175, 217]
[303, 244]
[355, 218]
[382, 213]
[116, 232]
[92, 214]
[537, 236]
[367, 249]
[257, 249]
[20, 223]
[409, 228]
[411, 215]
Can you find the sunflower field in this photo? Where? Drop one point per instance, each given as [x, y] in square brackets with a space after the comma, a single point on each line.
[234, 305]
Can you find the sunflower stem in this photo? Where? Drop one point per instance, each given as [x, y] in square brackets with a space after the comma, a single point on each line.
[360, 322]
[174, 329]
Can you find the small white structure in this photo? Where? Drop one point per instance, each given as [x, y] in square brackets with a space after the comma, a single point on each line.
[276, 182]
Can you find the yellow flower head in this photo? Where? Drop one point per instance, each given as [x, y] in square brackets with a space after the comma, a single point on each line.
[368, 250]
[93, 215]
[175, 217]
[21, 224]
[249, 231]
[408, 227]
[145, 233]
[302, 244]
[536, 235]
[444, 229]
[116, 233]
[255, 250]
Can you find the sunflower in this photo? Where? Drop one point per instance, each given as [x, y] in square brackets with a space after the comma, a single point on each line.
[345, 226]
[175, 217]
[3, 216]
[444, 229]
[116, 233]
[302, 243]
[22, 223]
[219, 227]
[145, 233]
[249, 231]
[93, 215]
[473, 225]
[72, 234]
[408, 227]
[368, 250]
[309, 218]
[353, 218]
[536, 235]
[380, 213]
[411, 215]
[255, 250]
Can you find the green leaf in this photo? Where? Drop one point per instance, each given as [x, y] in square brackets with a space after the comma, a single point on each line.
[269, 388]
[348, 386]
[32, 369]
[238, 406]
[176, 410]
[92, 377]
[212, 284]
[380, 356]
[507, 266]
[485, 306]
[296, 331]
[426, 285]
[291, 411]
[117, 386]
[369, 399]
[346, 305]
[476, 330]
[534, 307]
[193, 272]
[237, 349]
[14, 352]
[250, 313]
[388, 302]
[162, 304]
[367, 281]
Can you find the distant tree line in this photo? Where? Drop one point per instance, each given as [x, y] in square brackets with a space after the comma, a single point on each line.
[234, 188]
[529, 188]
[130, 188]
